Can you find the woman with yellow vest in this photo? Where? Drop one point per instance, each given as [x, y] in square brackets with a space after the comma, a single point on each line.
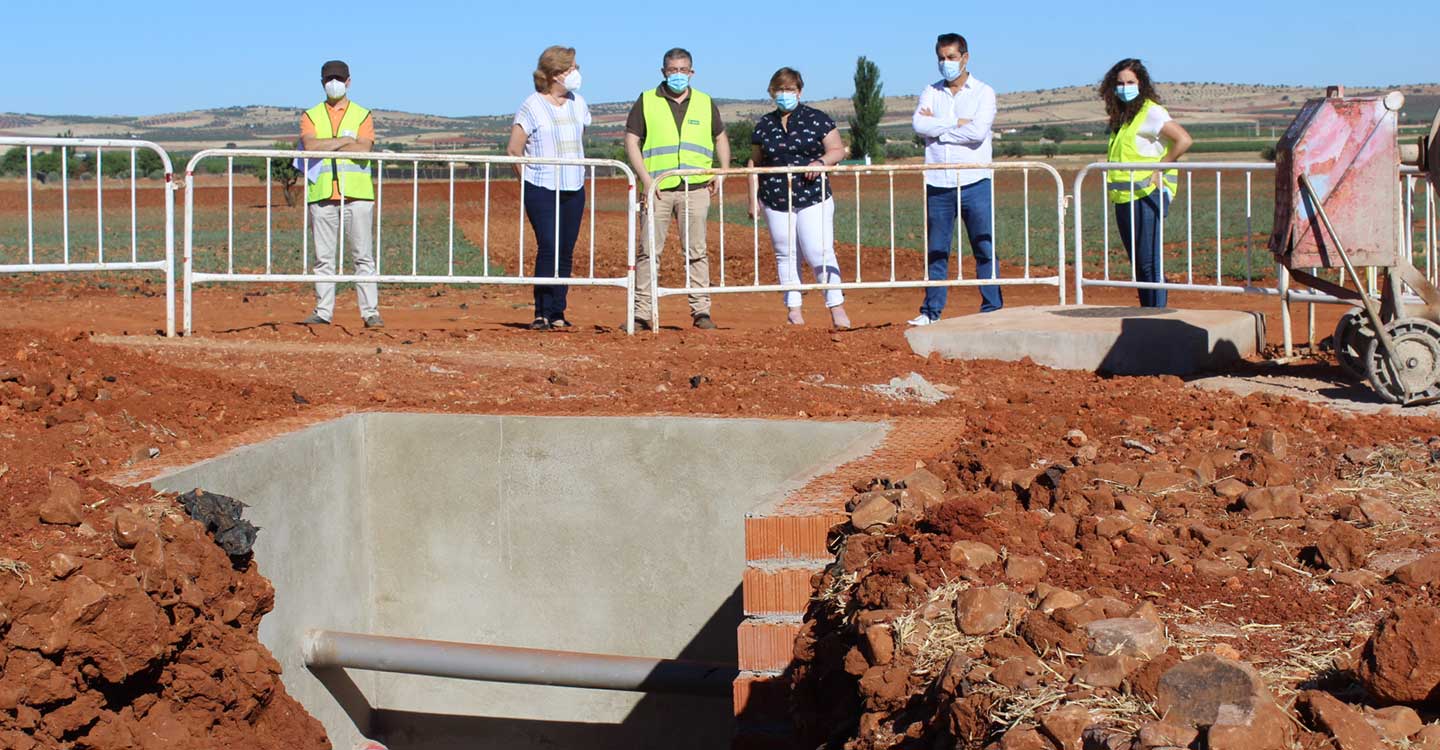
[1141, 131]
[338, 124]
[551, 124]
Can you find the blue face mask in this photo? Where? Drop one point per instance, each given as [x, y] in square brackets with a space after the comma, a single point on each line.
[677, 82]
[1128, 92]
[787, 101]
[950, 69]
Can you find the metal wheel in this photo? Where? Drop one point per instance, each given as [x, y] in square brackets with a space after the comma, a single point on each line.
[1415, 373]
[1351, 342]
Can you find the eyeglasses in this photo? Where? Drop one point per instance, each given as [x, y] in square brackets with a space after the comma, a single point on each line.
[673, 71]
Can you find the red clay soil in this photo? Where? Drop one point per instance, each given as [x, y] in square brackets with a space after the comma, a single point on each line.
[153, 645]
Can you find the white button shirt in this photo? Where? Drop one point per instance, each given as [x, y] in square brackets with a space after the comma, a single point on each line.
[947, 143]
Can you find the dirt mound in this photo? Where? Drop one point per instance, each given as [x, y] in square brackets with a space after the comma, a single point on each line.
[1047, 590]
[122, 624]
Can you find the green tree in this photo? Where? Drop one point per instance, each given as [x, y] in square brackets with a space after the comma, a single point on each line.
[1049, 150]
[869, 101]
[739, 132]
[283, 171]
[1056, 133]
[13, 162]
[1012, 148]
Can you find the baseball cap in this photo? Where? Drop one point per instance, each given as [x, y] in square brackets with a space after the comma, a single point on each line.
[334, 69]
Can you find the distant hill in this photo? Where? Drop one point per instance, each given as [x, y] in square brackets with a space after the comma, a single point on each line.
[1219, 103]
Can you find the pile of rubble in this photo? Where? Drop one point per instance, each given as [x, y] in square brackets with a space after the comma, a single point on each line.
[1225, 600]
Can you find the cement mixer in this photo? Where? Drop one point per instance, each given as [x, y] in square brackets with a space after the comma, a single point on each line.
[1337, 205]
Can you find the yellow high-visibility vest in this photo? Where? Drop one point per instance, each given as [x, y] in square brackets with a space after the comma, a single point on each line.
[692, 145]
[1125, 186]
[354, 176]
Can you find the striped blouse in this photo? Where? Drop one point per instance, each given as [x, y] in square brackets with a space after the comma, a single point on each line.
[557, 133]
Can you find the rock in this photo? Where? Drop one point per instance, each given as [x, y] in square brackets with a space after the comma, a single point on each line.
[1361, 578]
[880, 642]
[1422, 572]
[1209, 690]
[1163, 481]
[1063, 525]
[65, 504]
[1386, 563]
[1394, 723]
[62, 565]
[1135, 637]
[1106, 670]
[1060, 599]
[129, 529]
[1264, 503]
[874, 511]
[1427, 738]
[884, 687]
[1113, 526]
[1015, 674]
[1343, 547]
[1163, 735]
[1024, 569]
[927, 488]
[1065, 726]
[1380, 511]
[1044, 634]
[1229, 488]
[1401, 661]
[1270, 729]
[982, 611]
[1276, 443]
[1024, 738]
[973, 554]
[1086, 455]
[1214, 568]
[1076, 438]
[1342, 722]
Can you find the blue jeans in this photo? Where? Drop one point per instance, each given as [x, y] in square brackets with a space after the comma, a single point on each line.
[974, 210]
[1144, 246]
[540, 207]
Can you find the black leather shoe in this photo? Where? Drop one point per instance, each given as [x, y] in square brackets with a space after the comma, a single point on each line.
[539, 324]
[703, 322]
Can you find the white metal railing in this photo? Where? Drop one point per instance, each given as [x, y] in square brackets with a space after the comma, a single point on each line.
[422, 253]
[893, 278]
[65, 257]
[1215, 277]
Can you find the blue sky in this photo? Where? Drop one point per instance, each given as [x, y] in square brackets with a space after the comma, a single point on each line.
[457, 58]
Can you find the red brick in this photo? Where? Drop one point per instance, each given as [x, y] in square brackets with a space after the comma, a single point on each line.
[784, 537]
[781, 591]
[766, 646]
[762, 698]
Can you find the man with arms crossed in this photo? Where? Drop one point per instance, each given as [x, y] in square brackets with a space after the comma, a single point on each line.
[954, 116]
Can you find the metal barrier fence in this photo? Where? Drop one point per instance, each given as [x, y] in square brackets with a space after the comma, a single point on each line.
[430, 262]
[64, 255]
[1225, 274]
[1020, 239]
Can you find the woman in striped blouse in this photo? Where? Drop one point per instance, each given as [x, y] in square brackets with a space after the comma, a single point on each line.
[551, 124]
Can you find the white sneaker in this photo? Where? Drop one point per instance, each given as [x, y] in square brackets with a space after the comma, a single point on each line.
[922, 320]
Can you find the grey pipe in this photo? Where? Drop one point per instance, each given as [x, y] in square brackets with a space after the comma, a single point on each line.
[473, 661]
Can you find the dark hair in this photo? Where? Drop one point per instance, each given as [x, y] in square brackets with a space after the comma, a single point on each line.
[675, 53]
[1120, 112]
[786, 77]
[951, 40]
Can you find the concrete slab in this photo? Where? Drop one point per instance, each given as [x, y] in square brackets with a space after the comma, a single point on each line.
[1118, 340]
[608, 535]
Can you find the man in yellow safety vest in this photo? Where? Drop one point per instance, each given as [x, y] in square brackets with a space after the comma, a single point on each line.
[669, 127]
[340, 190]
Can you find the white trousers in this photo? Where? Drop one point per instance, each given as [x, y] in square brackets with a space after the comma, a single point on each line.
[359, 240]
[813, 230]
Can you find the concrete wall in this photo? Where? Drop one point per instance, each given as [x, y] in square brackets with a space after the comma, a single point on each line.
[611, 535]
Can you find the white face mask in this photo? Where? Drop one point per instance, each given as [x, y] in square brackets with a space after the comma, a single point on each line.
[335, 88]
[571, 82]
